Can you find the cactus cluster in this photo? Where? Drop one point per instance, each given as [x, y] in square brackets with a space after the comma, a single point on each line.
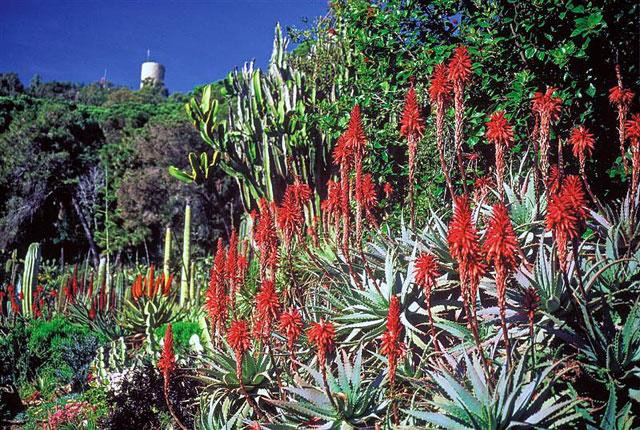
[268, 138]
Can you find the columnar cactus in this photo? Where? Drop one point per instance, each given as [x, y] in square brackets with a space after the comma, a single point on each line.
[186, 257]
[30, 277]
[167, 253]
[268, 139]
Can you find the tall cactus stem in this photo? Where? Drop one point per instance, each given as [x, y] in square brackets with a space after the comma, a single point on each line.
[167, 252]
[30, 278]
[186, 256]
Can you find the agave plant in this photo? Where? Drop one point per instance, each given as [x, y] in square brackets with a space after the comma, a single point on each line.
[221, 386]
[612, 353]
[519, 399]
[356, 402]
[216, 414]
[614, 418]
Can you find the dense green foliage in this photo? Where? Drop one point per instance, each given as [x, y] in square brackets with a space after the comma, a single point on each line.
[399, 324]
[84, 162]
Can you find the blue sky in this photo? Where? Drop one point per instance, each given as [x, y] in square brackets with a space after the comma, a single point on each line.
[197, 41]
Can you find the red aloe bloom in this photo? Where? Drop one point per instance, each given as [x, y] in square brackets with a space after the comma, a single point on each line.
[290, 215]
[426, 270]
[633, 132]
[392, 346]
[500, 133]
[621, 97]
[553, 183]
[499, 130]
[501, 247]
[582, 142]
[166, 289]
[464, 246]
[501, 244]
[411, 123]
[460, 66]
[167, 362]
[291, 325]
[137, 288]
[574, 194]
[388, 190]
[355, 137]
[368, 194]
[331, 207]
[547, 108]
[239, 340]
[481, 187]
[342, 152]
[322, 336]
[459, 74]
[267, 239]
[546, 105]
[267, 308]
[356, 140]
[440, 88]
[562, 221]
[216, 296]
[412, 127]
[238, 337]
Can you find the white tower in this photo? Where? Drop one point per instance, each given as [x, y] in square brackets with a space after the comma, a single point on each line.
[152, 70]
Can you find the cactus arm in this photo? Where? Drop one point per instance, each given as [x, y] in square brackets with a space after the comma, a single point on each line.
[167, 252]
[186, 256]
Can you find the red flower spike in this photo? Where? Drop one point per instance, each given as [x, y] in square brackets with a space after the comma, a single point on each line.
[291, 326]
[216, 296]
[392, 346]
[267, 308]
[411, 123]
[464, 246]
[582, 142]
[562, 220]
[500, 133]
[322, 336]
[355, 137]
[266, 238]
[574, 194]
[547, 109]
[460, 66]
[501, 244]
[238, 337]
[167, 362]
[426, 270]
[633, 127]
[368, 195]
[621, 96]
[440, 88]
[388, 190]
[290, 216]
[498, 130]
[546, 105]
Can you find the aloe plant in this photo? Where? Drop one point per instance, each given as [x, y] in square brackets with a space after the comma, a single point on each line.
[222, 388]
[358, 401]
[519, 399]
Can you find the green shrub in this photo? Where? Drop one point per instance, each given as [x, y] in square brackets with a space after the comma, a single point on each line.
[182, 332]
